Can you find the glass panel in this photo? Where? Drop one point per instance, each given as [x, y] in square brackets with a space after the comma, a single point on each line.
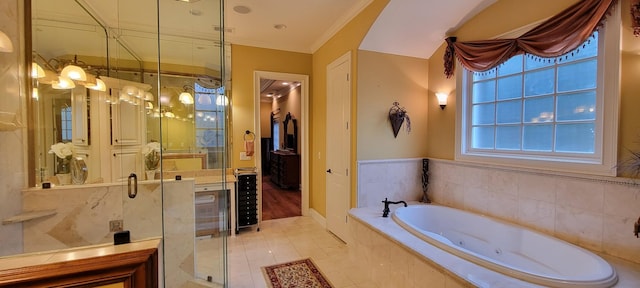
[537, 138]
[511, 66]
[510, 87]
[509, 112]
[539, 109]
[539, 82]
[484, 75]
[575, 138]
[484, 92]
[579, 106]
[508, 137]
[576, 76]
[482, 137]
[483, 114]
[535, 62]
[588, 49]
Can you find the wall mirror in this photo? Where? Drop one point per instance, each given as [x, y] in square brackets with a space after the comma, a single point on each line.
[174, 96]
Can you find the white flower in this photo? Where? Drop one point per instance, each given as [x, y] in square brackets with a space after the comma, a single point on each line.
[62, 150]
[150, 147]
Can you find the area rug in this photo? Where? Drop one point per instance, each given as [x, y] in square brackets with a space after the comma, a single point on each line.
[295, 274]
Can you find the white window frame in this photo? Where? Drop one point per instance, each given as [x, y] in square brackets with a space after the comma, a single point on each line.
[605, 160]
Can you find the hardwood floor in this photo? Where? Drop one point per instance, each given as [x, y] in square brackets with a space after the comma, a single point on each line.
[279, 203]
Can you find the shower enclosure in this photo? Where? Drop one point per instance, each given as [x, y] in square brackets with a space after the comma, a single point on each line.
[129, 112]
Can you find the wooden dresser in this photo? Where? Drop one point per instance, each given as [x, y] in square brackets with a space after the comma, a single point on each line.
[285, 169]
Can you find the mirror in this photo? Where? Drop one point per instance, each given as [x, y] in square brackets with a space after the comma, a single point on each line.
[117, 42]
[290, 132]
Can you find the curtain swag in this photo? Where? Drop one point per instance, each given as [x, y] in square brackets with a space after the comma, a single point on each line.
[555, 37]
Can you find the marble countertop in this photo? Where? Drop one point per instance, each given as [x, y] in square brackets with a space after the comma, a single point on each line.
[64, 255]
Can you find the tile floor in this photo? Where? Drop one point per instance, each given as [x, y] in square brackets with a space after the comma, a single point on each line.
[288, 239]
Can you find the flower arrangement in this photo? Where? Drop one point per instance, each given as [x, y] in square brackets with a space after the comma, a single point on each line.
[63, 152]
[151, 153]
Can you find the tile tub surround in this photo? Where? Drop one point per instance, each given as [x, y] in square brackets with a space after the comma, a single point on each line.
[594, 212]
[395, 179]
[397, 258]
[84, 212]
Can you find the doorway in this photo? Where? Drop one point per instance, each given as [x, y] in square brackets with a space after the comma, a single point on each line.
[281, 123]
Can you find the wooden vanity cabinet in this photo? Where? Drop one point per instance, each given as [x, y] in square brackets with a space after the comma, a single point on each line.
[285, 169]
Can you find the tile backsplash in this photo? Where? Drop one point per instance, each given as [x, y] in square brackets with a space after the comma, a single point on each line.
[594, 212]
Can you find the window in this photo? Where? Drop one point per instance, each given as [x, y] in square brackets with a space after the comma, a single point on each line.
[558, 114]
[210, 123]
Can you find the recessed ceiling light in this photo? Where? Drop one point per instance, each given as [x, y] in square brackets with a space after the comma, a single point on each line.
[240, 9]
[280, 26]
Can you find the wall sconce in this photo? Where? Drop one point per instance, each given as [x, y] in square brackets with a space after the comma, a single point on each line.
[5, 43]
[222, 100]
[186, 97]
[442, 99]
[74, 72]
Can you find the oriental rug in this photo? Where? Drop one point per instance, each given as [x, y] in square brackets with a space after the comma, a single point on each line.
[295, 274]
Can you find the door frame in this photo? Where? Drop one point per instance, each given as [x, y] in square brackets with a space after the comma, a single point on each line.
[304, 130]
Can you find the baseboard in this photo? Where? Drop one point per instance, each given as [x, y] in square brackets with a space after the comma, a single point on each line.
[319, 218]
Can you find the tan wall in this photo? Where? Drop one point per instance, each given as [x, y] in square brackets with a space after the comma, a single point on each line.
[500, 18]
[245, 61]
[346, 40]
[382, 80]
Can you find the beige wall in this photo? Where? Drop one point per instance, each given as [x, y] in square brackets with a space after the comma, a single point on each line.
[346, 40]
[245, 61]
[382, 80]
[498, 19]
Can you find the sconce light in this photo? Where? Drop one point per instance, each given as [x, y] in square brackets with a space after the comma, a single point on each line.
[74, 72]
[442, 99]
[222, 100]
[5, 43]
[186, 97]
[204, 99]
[63, 83]
[37, 71]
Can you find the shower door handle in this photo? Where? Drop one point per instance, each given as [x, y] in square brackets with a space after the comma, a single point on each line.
[132, 191]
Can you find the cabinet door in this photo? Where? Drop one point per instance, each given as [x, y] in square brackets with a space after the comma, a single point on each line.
[80, 116]
[125, 162]
[126, 121]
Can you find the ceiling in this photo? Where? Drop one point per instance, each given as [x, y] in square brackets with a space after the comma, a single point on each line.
[419, 25]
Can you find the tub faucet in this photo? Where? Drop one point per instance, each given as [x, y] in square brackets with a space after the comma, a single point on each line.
[385, 212]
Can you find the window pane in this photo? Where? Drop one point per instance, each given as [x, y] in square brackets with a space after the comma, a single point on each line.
[483, 92]
[579, 106]
[508, 137]
[577, 76]
[207, 120]
[482, 137]
[535, 62]
[539, 82]
[209, 138]
[509, 112]
[483, 114]
[511, 66]
[537, 138]
[578, 138]
[539, 109]
[588, 49]
[510, 87]
[484, 75]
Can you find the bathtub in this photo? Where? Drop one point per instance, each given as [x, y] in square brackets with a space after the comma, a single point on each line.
[506, 248]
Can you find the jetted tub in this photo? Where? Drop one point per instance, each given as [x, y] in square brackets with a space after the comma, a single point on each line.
[506, 248]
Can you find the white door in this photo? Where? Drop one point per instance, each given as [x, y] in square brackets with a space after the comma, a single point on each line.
[338, 145]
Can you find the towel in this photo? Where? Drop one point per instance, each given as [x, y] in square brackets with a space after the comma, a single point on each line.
[248, 147]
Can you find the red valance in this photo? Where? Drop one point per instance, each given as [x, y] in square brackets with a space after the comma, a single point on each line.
[557, 36]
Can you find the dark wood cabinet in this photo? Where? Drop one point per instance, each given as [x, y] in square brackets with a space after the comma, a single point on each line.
[285, 169]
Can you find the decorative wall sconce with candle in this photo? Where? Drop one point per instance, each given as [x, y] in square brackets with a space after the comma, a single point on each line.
[397, 116]
[442, 99]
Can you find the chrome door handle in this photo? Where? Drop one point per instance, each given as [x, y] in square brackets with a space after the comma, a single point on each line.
[134, 193]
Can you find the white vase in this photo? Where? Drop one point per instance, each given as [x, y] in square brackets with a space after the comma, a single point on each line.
[151, 174]
[64, 178]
